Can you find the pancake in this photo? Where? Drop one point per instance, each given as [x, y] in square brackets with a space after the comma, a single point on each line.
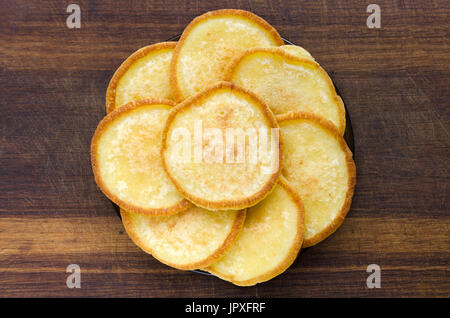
[125, 155]
[190, 239]
[269, 242]
[319, 166]
[144, 74]
[210, 42]
[221, 148]
[288, 83]
[297, 51]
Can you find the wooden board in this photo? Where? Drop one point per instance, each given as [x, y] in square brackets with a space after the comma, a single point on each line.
[394, 80]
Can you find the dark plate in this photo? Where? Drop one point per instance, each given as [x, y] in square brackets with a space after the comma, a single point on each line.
[348, 136]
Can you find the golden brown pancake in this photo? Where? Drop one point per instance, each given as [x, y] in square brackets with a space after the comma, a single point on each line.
[144, 74]
[190, 239]
[288, 83]
[126, 159]
[210, 42]
[220, 148]
[319, 166]
[269, 242]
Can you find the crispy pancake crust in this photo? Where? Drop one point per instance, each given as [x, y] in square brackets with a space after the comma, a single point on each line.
[291, 58]
[181, 205]
[190, 215]
[291, 254]
[178, 92]
[127, 64]
[224, 204]
[351, 169]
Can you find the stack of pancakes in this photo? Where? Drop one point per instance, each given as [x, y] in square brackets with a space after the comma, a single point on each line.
[168, 150]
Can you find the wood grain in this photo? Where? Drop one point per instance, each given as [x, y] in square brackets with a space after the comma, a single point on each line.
[394, 81]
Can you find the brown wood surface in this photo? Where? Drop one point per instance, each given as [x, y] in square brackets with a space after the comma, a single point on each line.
[394, 81]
